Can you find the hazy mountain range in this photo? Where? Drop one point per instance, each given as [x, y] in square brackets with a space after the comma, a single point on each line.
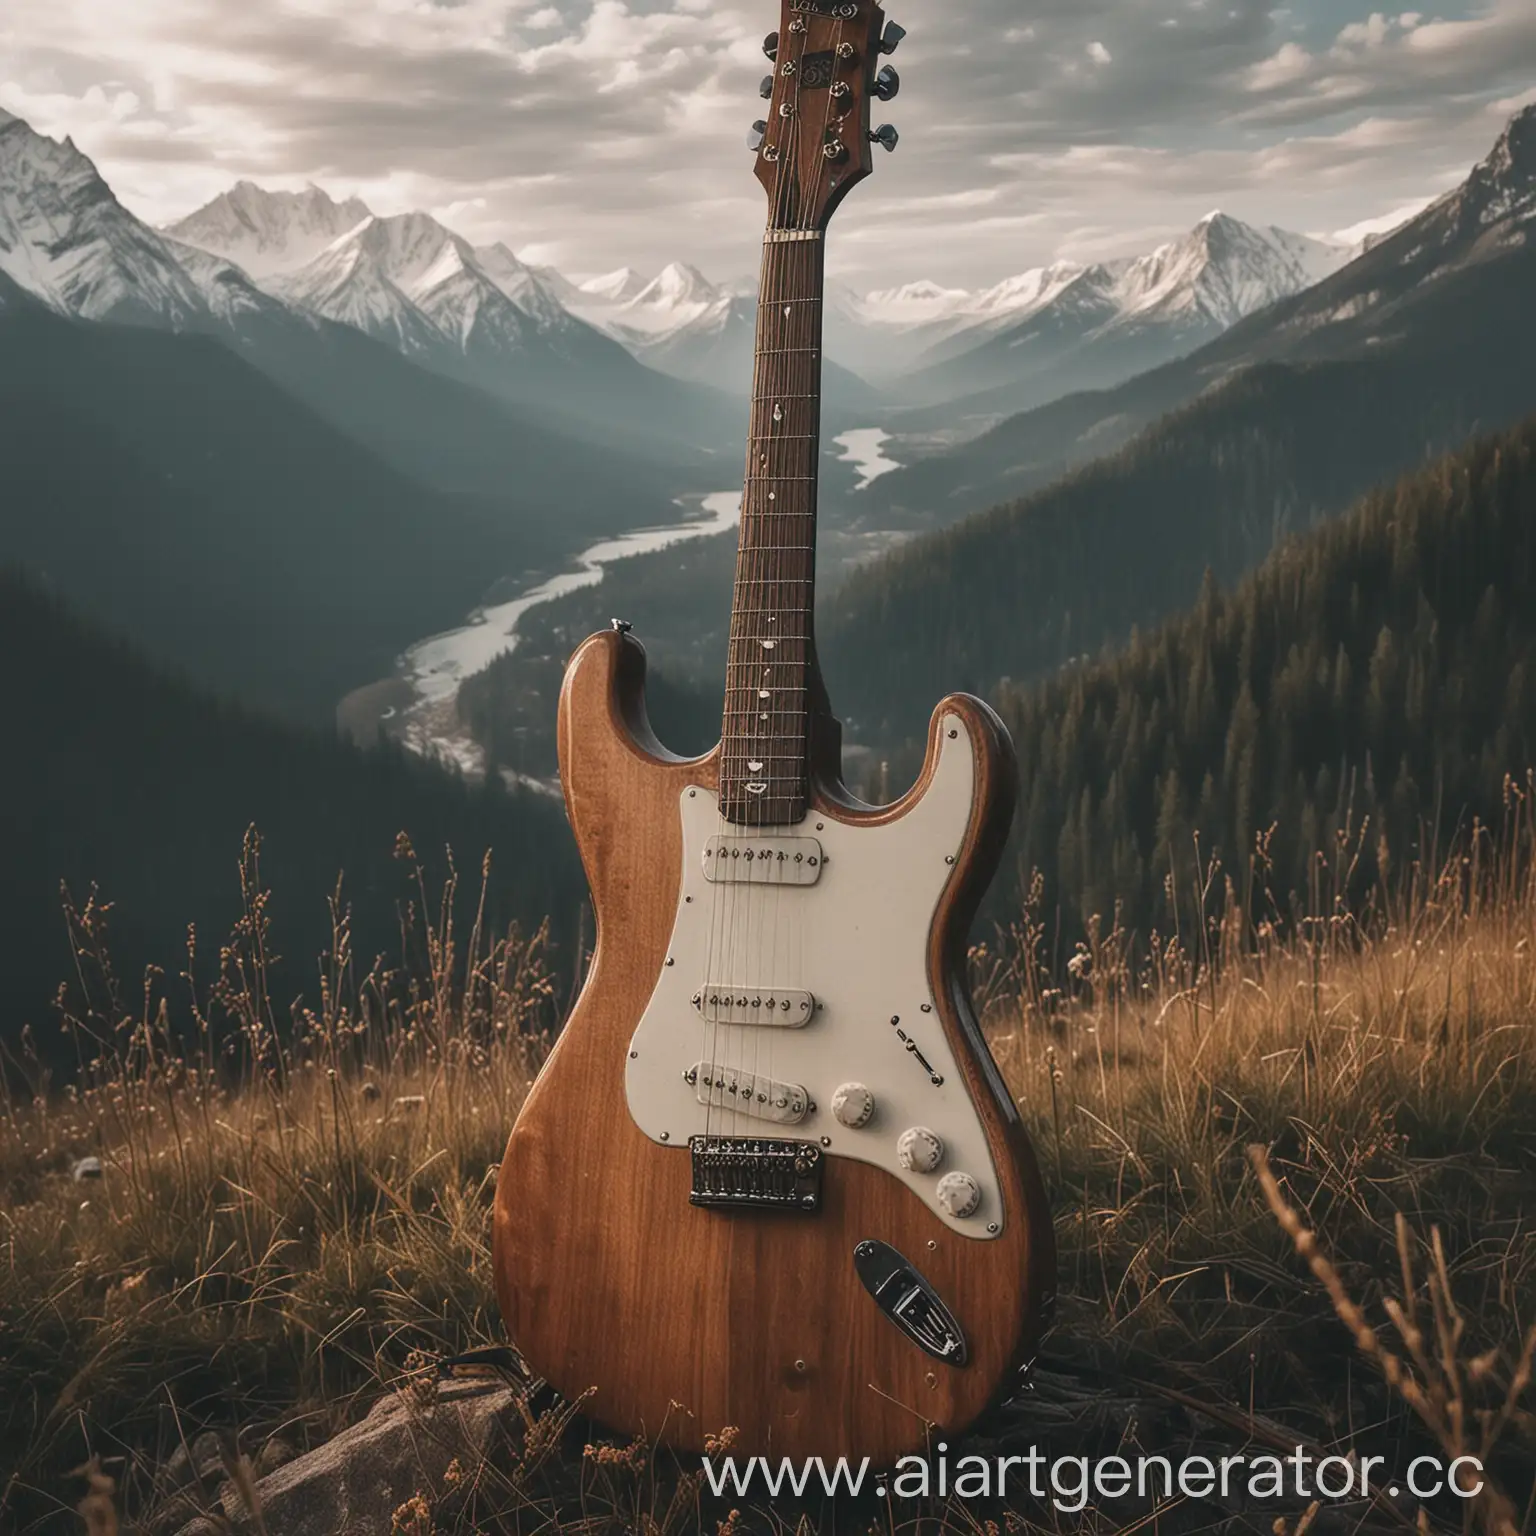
[1102, 511]
[1205, 463]
[186, 454]
[1407, 286]
[413, 282]
[253, 257]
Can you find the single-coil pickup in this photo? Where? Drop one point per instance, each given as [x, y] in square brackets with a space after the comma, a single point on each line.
[771, 1008]
[763, 860]
[748, 1094]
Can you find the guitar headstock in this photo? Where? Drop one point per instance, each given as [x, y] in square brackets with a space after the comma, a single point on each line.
[815, 145]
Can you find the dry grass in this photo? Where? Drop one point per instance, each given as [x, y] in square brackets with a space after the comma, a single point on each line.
[294, 1216]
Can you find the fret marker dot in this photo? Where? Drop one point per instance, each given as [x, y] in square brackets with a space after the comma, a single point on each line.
[786, 311]
[778, 413]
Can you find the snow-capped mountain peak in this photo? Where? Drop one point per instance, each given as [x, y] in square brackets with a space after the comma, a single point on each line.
[65, 238]
[614, 287]
[1503, 186]
[678, 296]
[268, 233]
[1224, 270]
[915, 303]
[529, 288]
[678, 284]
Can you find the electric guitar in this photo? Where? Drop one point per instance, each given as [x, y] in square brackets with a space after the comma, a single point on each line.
[770, 1177]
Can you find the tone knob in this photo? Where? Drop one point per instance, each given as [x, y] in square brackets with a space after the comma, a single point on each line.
[853, 1105]
[919, 1150]
[959, 1194]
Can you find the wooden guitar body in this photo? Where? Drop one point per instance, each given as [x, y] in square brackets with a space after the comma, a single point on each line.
[683, 1320]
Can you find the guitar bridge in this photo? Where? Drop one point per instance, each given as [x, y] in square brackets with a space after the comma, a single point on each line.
[755, 1173]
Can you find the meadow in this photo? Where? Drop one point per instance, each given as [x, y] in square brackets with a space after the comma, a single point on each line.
[1290, 1146]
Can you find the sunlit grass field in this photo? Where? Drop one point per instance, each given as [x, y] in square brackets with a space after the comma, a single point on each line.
[1291, 1162]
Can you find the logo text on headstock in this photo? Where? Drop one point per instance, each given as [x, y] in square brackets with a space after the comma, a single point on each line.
[839, 10]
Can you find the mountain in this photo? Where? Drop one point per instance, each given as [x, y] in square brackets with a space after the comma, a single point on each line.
[614, 287]
[1415, 288]
[273, 236]
[416, 285]
[169, 488]
[1054, 328]
[265, 233]
[117, 774]
[1065, 327]
[1419, 344]
[1378, 673]
[65, 238]
[716, 347]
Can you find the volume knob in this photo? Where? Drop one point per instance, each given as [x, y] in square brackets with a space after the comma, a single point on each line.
[959, 1194]
[918, 1150]
[853, 1105]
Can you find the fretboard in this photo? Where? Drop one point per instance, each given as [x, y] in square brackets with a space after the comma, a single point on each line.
[770, 675]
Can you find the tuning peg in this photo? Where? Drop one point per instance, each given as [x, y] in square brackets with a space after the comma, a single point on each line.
[771, 45]
[892, 35]
[887, 83]
[756, 134]
[885, 136]
[765, 90]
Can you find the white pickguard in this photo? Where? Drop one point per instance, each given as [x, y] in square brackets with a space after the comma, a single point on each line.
[857, 940]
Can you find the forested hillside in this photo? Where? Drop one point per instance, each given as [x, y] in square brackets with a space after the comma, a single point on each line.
[1453, 284]
[114, 773]
[1376, 675]
[1124, 541]
[169, 488]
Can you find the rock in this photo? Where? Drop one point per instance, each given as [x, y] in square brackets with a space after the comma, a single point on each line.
[274, 1454]
[200, 1459]
[352, 1485]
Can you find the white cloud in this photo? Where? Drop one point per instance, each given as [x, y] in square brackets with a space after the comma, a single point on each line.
[604, 133]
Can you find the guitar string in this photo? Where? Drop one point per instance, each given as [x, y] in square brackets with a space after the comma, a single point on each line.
[781, 371]
[792, 593]
[732, 756]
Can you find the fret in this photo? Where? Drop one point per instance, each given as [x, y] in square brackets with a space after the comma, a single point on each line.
[769, 678]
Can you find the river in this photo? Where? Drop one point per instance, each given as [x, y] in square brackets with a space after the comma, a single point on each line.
[421, 708]
[864, 449]
[418, 706]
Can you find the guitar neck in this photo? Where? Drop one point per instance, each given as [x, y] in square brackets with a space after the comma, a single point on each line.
[772, 686]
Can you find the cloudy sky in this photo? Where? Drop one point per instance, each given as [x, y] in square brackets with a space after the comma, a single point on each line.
[598, 133]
